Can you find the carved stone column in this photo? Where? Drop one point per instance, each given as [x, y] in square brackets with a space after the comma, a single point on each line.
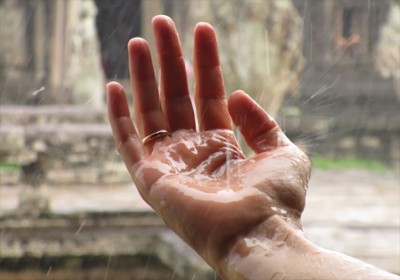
[57, 65]
[84, 75]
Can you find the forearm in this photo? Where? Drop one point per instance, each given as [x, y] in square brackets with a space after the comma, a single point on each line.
[284, 253]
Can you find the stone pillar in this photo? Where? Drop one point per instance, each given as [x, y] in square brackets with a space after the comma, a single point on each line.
[57, 65]
[387, 49]
[85, 76]
[259, 41]
[13, 52]
[39, 43]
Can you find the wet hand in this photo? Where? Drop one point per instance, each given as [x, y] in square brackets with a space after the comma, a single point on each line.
[199, 181]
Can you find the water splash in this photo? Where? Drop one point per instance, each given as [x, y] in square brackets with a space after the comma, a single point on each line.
[80, 228]
[36, 92]
[107, 268]
[322, 90]
[48, 271]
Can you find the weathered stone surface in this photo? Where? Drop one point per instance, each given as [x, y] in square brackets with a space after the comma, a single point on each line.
[78, 159]
[341, 94]
[51, 114]
[12, 140]
[78, 141]
[259, 41]
[13, 55]
[88, 175]
[32, 203]
[387, 52]
[114, 173]
[110, 235]
[49, 53]
[9, 177]
[61, 176]
[85, 74]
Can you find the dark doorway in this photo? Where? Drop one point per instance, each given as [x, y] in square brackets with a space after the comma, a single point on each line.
[117, 21]
[347, 22]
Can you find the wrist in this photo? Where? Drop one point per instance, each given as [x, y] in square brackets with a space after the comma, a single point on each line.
[265, 251]
[277, 249]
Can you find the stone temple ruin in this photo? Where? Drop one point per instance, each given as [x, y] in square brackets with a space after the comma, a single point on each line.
[344, 106]
[55, 57]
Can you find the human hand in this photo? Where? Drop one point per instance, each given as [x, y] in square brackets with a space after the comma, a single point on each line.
[199, 182]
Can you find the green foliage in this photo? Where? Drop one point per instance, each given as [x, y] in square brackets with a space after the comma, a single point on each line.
[9, 166]
[348, 163]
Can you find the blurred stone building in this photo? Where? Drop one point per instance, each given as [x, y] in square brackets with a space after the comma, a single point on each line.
[58, 51]
[345, 105]
[317, 58]
[49, 53]
[332, 64]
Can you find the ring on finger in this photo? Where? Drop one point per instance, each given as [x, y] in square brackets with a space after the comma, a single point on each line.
[154, 135]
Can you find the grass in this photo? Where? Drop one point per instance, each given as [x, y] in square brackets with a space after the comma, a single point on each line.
[9, 166]
[348, 163]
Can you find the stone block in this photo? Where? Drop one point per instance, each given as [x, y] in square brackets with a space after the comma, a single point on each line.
[61, 176]
[80, 147]
[9, 177]
[115, 179]
[347, 143]
[115, 166]
[78, 159]
[371, 142]
[12, 141]
[87, 175]
[114, 172]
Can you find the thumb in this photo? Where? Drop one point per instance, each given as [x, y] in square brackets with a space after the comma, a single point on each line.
[260, 130]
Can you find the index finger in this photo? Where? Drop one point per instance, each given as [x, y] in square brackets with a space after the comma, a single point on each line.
[125, 137]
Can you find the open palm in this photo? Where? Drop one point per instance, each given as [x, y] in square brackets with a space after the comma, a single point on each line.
[199, 182]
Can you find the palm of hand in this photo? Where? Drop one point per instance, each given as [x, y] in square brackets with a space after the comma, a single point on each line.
[204, 188]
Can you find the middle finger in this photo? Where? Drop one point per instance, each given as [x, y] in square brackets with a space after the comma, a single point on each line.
[174, 92]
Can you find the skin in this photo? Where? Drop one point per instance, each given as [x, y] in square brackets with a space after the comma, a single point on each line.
[242, 215]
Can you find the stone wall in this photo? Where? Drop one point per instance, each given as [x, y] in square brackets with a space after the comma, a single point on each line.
[49, 53]
[387, 52]
[77, 141]
[344, 106]
[259, 44]
[345, 114]
[96, 246]
[80, 148]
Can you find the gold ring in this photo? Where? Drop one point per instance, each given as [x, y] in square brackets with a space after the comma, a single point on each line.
[153, 136]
